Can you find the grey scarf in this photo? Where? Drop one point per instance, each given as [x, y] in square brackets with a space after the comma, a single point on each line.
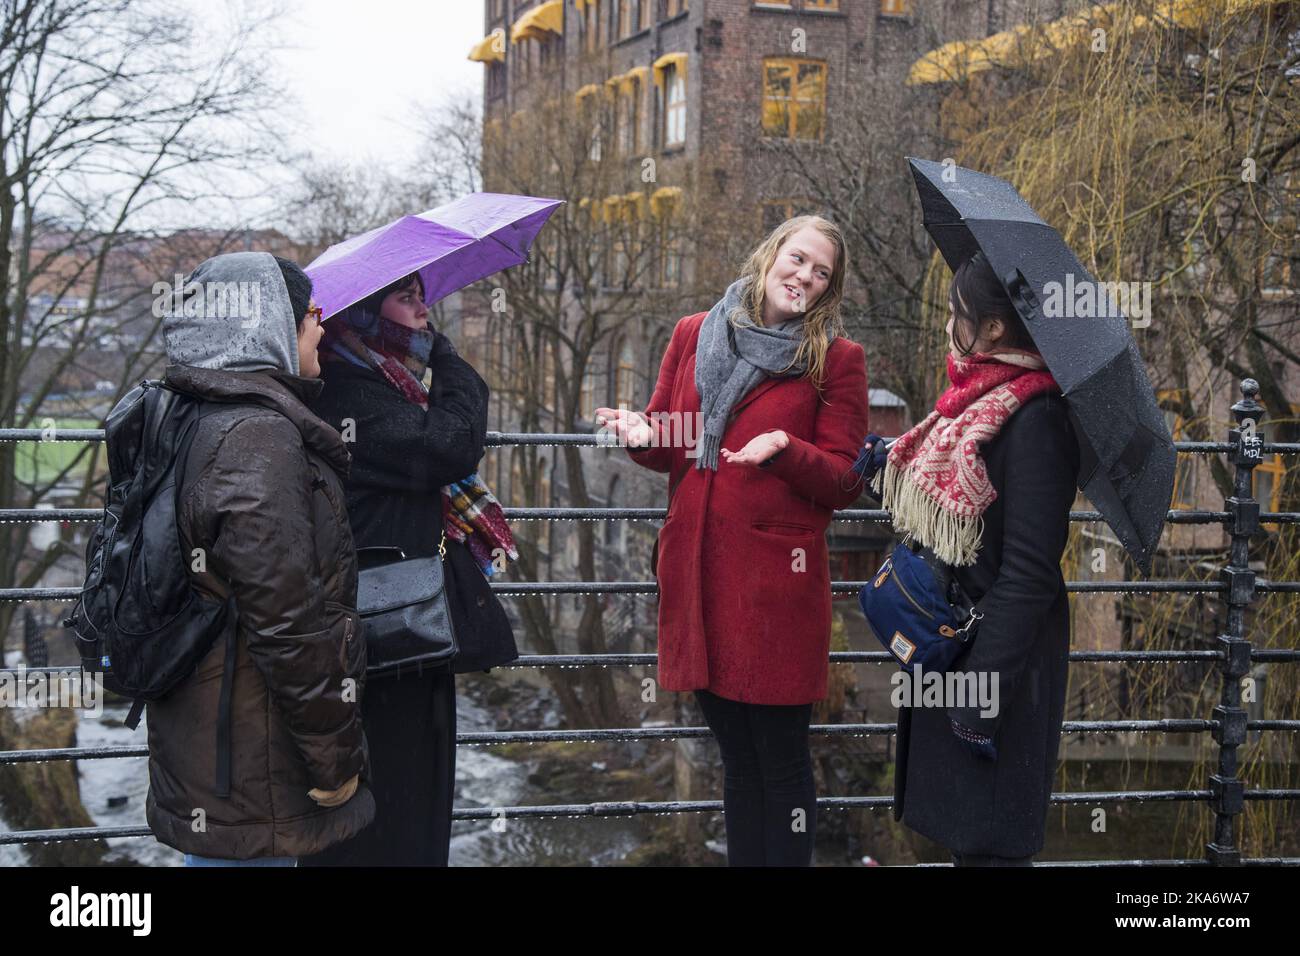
[729, 361]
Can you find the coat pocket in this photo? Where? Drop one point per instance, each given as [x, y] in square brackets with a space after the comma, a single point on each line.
[783, 528]
[352, 648]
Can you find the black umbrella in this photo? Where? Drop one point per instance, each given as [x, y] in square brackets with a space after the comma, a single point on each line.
[1126, 453]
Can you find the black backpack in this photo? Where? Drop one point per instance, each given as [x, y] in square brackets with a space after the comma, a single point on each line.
[139, 621]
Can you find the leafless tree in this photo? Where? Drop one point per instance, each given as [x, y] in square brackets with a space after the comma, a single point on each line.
[115, 115]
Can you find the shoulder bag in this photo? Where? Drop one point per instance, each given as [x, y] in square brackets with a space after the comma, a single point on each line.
[405, 615]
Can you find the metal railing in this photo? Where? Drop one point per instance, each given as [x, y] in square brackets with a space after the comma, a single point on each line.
[1237, 585]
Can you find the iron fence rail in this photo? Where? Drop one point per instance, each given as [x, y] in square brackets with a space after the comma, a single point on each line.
[524, 588]
[495, 439]
[494, 738]
[848, 515]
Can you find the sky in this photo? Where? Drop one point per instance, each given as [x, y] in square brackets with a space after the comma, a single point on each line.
[362, 70]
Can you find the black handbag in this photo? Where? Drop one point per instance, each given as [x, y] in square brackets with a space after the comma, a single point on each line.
[405, 615]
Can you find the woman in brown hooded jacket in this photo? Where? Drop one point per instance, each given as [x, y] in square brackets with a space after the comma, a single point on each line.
[261, 510]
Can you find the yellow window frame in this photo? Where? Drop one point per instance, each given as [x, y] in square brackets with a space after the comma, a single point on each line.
[784, 110]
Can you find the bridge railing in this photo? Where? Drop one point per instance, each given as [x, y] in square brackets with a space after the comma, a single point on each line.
[1228, 723]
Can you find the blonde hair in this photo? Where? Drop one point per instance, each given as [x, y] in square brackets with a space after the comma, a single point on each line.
[822, 322]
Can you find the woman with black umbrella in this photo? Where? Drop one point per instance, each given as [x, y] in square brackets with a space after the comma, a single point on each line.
[986, 481]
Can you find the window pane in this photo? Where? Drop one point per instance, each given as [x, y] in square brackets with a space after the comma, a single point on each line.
[776, 117]
[777, 80]
[808, 122]
[811, 86]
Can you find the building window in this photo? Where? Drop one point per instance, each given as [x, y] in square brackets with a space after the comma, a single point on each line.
[670, 258]
[674, 7]
[591, 22]
[625, 375]
[621, 257]
[496, 81]
[587, 395]
[821, 4]
[626, 17]
[674, 107]
[629, 118]
[895, 8]
[524, 58]
[547, 378]
[794, 98]
[645, 19]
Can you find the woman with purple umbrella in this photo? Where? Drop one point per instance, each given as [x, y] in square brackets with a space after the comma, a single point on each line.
[413, 486]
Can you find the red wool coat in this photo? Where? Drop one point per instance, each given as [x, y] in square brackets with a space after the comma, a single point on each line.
[743, 569]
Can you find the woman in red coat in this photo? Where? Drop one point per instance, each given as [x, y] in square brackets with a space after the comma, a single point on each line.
[758, 415]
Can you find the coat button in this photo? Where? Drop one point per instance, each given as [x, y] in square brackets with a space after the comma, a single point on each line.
[481, 600]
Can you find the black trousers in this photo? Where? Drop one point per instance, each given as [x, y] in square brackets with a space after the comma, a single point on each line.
[410, 724]
[769, 795]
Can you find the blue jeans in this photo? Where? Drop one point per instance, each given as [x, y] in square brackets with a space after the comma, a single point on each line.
[192, 859]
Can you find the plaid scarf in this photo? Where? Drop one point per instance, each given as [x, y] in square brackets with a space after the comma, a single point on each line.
[471, 514]
[935, 483]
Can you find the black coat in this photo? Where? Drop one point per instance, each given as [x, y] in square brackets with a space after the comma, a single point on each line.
[941, 789]
[402, 455]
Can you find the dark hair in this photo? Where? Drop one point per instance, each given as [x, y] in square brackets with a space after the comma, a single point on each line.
[375, 301]
[299, 285]
[976, 294]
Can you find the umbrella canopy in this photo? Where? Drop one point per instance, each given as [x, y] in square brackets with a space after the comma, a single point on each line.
[1126, 453]
[450, 246]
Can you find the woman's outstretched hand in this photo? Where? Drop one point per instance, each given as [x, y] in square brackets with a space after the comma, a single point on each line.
[760, 449]
[630, 427]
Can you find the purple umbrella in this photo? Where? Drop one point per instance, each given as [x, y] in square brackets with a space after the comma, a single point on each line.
[451, 246]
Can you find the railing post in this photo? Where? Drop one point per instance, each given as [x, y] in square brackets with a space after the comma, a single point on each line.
[1243, 521]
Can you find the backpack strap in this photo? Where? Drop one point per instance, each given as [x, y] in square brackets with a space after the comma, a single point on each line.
[224, 751]
[133, 717]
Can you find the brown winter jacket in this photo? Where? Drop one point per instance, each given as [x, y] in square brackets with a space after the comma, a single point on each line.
[262, 500]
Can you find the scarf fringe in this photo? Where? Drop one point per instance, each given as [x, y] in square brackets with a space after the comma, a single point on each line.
[709, 447]
[954, 538]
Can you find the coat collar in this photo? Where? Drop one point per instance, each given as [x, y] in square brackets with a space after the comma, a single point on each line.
[283, 392]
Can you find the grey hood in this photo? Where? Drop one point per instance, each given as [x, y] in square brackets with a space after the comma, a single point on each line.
[233, 313]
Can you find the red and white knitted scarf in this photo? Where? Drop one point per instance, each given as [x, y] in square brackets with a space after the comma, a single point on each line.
[934, 482]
